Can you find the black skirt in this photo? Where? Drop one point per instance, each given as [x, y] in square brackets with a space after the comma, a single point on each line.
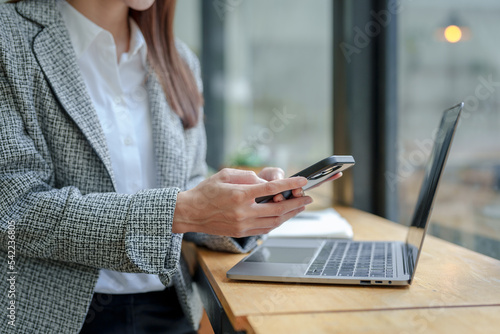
[140, 313]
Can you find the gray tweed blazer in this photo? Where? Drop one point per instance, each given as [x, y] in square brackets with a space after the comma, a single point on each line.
[60, 217]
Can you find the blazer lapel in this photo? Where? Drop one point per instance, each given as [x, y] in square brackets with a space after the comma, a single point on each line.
[54, 52]
[168, 138]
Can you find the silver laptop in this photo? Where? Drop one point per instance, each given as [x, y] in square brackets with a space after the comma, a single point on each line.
[338, 261]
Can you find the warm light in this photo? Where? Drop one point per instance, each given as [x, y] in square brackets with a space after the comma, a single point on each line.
[453, 34]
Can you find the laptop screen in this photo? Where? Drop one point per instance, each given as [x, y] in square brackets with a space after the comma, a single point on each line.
[433, 171]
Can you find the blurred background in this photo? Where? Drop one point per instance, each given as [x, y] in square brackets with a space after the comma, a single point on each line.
[449, 51]
[288, 82]
[273, 74]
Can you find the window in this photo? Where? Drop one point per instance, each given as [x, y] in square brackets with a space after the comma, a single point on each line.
[187, 25]
[276, 83]
[449, 52]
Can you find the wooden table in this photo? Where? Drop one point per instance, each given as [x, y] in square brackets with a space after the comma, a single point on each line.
[452, 287]
[456, 320]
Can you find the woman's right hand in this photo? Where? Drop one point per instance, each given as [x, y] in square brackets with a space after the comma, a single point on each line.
[224, 204]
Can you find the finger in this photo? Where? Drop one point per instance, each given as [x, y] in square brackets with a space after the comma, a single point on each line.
[272, 173]
[239, 176]
[299, 192]
[272, 223]
[278, 198]
[276, 187]
[280, 208]
[336, 176]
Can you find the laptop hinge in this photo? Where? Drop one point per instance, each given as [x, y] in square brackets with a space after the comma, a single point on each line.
[404, 250]
[408, 260]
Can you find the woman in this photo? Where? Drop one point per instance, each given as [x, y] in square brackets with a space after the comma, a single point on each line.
[102, 163]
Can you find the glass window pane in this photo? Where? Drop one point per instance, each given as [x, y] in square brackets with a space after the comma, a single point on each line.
[187, 24]
[449, 51]
[278, 63]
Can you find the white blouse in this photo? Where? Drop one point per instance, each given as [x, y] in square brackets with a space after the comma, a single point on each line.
[119, 96]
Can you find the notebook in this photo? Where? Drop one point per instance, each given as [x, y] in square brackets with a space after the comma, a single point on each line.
[326, 223]
[333, 261]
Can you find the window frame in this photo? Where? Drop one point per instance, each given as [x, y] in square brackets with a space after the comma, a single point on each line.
[365, 104]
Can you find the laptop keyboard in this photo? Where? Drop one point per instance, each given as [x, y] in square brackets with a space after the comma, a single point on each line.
[364, 259]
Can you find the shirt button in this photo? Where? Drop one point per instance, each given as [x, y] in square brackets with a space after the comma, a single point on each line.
[121, 114]
[106, 127]
[118, 100]
[128, 141]
[139, 94]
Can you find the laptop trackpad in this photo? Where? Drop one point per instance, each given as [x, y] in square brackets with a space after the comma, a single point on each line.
[282, 255]
[275, 262]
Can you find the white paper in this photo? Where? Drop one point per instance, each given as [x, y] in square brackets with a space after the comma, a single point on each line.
[315, 224]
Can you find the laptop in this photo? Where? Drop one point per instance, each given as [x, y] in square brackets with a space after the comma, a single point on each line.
[336, 261]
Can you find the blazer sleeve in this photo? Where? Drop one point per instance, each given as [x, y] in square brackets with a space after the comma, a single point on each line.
[199, 171]
[130, 233]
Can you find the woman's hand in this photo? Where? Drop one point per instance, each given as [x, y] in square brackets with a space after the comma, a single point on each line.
[274, 173]
[271, 174]
[224, 204]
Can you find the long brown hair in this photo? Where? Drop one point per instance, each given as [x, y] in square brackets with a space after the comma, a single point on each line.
[179, 85]
[157, 26]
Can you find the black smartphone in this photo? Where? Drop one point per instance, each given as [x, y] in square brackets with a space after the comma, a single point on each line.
[317, 173]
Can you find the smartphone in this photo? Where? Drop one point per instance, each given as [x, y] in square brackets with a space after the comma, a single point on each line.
[317, 173]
